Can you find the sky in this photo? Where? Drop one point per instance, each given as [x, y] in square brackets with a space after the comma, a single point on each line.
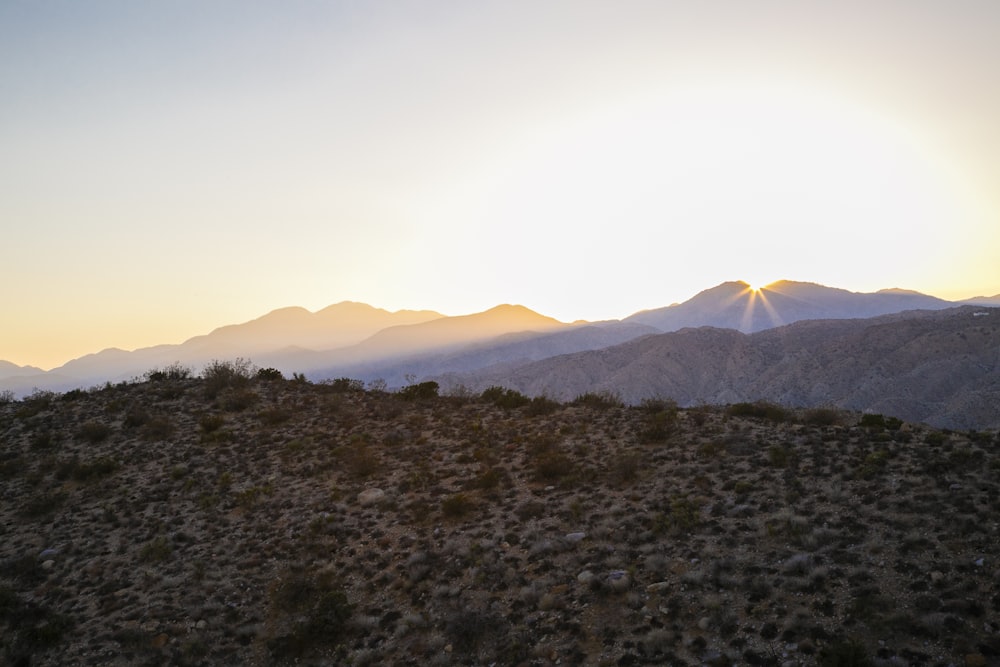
[170, 167]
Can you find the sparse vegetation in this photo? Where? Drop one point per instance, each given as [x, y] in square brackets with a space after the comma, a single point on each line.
[327, 523]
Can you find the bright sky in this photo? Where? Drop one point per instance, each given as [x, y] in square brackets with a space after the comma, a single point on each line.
[170, 167]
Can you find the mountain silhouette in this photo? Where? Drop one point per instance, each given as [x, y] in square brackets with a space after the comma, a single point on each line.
[734, 305]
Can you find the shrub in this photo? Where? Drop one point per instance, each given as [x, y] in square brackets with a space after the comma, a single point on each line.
[457, 506]
[845, 653]
[602, 400]
[764, 410]
[174, 371]
[541, 406]
[269, 374]
[238, 400]
[211, 423]
[156, 550]
[345, 385]
[219, 375]
[420, 391]
[508, 399]
[682, 516]
[552, 465]
[6, 396]
[822, 417]
[158, 428]
[93, 432]
[318, 611]
[660, 426]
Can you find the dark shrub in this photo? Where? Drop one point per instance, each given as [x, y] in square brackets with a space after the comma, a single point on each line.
[507, 399]
[422, 390]
[602, 400]
[93, 432]
[764, 410]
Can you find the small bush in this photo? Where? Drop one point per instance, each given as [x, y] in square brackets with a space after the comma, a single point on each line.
[219, 375]
[156, 550]
[846, 653]
[541, 406]
[457, 506]
[419, 391]
[821, 417]
[763, 410]
[345, 385]
[508, 399]
[93, 432]
[173, 372]
[269, 375]
[211, 423]
[602, 400]
[311, 612]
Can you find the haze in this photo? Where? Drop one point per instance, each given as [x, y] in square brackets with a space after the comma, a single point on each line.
[167, 168]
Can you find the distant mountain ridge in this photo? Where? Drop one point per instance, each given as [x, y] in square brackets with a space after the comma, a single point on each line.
[360, 341]
[939, 367]
[734, 305]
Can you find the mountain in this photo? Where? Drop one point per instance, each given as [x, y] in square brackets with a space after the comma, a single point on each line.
[939, 367]
[983, 301]
[507, 349]
[8, 370]
[734, 305]
[358, 340]
[434, 337]
[341, 324]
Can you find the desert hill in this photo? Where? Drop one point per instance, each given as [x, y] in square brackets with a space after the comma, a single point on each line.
[248, 519]
[940, 367]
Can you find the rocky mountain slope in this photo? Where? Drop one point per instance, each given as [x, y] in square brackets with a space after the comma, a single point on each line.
[939, 367]
[242, 519]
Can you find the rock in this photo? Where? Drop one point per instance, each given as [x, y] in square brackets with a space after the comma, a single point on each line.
[573, 538]
[658, 587]
[585, 577]
[160, 640]
[618, 580]
[370, 497]
[48, 565]
[201, 624]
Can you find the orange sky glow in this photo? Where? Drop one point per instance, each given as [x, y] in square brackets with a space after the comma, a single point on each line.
[168, 168]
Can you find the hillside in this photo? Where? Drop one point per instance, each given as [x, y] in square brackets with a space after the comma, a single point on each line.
[243, 519]
[940, 367]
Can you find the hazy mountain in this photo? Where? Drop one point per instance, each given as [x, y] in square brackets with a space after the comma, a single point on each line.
[509, 349]
[939, 367]
[341, 324]
[8, 369]
[983, 301]
[358, 340]
[733, 305]
[436, 337]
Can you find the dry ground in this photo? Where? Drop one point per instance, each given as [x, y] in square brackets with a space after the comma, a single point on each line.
[270, 522]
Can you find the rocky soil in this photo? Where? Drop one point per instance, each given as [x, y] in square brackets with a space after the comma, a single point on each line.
[267, 521]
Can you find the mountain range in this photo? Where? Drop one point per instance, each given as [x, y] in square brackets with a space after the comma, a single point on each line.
[791, 342]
